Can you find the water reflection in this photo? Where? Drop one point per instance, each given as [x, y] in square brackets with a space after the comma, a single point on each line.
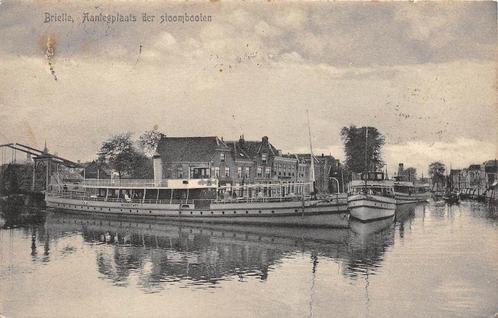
[368, 245]
[426, 254]
[206, 254]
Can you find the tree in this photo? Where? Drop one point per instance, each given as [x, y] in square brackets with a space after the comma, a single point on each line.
[142, 167]
[357, 151]
[119, 153]
[436, 172]
[149, 140]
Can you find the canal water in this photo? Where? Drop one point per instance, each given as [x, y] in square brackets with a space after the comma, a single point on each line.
[430, 261]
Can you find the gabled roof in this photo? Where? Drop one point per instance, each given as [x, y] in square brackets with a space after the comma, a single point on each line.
[237, 152]
[491, 163]
[305, 157]
[190, 149]
[475, 167]
[491, 166]
[254, 148]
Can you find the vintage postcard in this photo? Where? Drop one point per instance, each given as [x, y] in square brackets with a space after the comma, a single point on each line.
[248, 159]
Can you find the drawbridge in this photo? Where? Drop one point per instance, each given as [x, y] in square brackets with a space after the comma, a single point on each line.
[40, 159]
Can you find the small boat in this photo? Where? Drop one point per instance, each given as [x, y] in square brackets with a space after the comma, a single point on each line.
[451, 198]
[371, 198]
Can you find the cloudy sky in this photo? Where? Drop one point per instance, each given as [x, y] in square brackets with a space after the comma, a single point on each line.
[424, 74]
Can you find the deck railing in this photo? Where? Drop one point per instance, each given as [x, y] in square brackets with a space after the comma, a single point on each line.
[149, 183]
[124, 183]
[77, 195]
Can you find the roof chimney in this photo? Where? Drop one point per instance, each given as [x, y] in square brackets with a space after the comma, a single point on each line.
[264, 140]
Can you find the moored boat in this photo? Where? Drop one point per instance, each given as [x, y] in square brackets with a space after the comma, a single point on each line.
[201, 200]
[407, 192]
[371, 198]
[452, 198]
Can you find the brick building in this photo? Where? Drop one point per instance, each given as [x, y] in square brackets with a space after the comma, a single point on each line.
[241, 162]
[327, 168]
[195, 158]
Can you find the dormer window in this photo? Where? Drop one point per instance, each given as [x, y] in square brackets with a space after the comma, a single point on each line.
[264, 157]
[222, 157]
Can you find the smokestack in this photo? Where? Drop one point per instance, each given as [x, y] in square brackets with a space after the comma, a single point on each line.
[400, 169]
[158, 168]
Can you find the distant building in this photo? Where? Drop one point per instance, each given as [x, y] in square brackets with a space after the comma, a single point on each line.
[490, 168]
[474, 176]
[327, 168]
[96, 170]
[457, 182]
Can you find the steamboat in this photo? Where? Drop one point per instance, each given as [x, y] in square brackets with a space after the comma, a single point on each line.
[407, 192]
[201, 200]
[371, 198]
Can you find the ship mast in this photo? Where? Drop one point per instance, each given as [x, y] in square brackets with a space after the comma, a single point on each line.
[366, 157]
[312, 166]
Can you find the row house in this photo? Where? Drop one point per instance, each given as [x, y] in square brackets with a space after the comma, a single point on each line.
[456, 180]
[491, 172]
[233, 163]
[476, 176]
[270, 166]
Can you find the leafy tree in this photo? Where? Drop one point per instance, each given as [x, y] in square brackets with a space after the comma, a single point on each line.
[356, 150]
[149, 140]
[120, 154]
[142, 167]
[436, 172]
[10, 177]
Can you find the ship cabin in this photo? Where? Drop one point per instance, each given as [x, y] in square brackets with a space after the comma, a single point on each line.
[200, 192]
[372, 183]
[405, 187]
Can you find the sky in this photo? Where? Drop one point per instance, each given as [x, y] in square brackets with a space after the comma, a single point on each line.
[424, 74]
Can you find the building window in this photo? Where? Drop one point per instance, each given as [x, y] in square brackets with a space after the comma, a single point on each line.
[246, 174]
[259, 172]
[264, 157]
[267, 172]
[239, 172]
[217, 172]
[222, 157]
[179, 173]
[227, 172]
